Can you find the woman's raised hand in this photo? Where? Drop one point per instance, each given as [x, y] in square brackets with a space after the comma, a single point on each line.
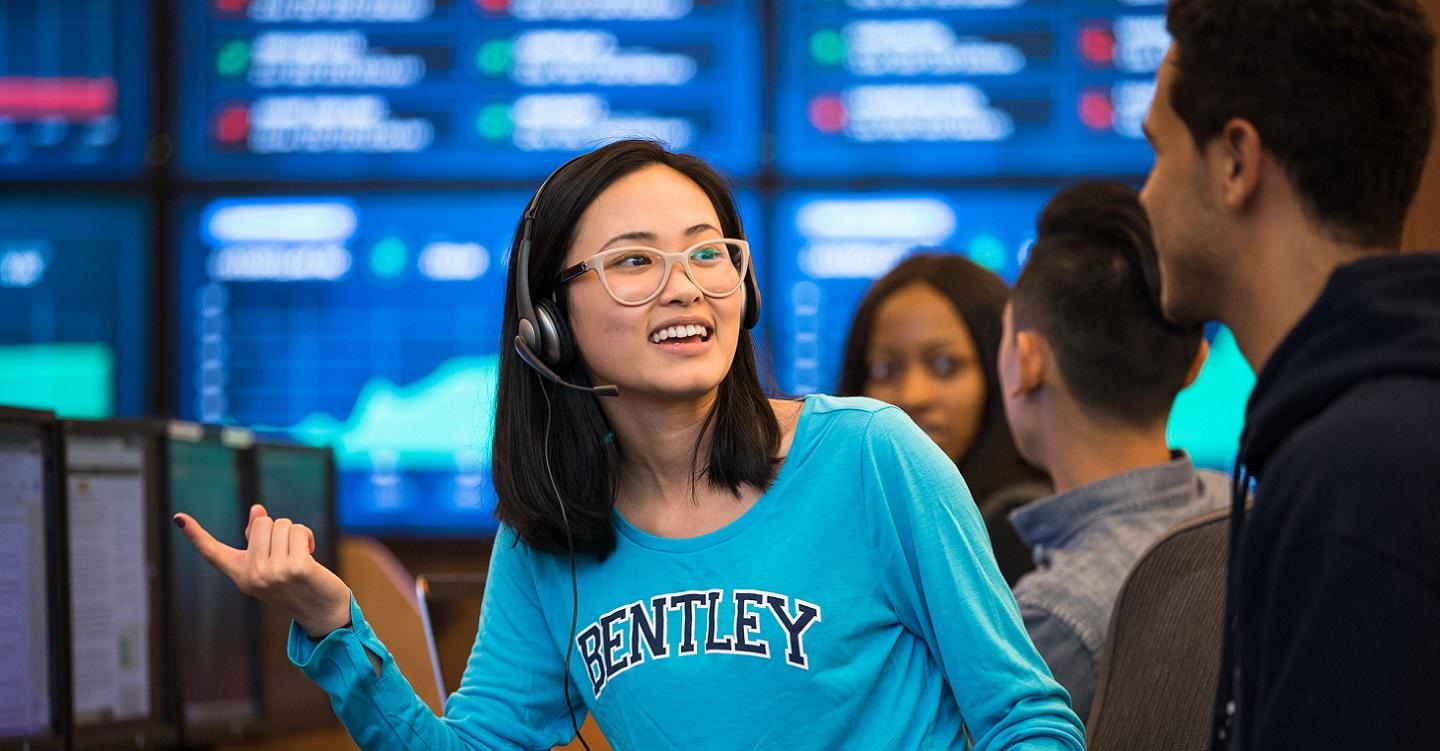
[278, 568]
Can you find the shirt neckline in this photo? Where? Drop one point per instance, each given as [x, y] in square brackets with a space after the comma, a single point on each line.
[762, 505]
[1051, 520]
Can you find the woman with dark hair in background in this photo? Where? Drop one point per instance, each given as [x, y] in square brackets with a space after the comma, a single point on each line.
[925, 338]
[700, 566]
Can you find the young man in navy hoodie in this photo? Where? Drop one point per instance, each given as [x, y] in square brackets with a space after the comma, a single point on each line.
[1289, 137]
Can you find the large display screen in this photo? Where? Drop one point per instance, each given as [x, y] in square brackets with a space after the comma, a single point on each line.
[370, 323]
[835, 245]
[73, 305]
[72, 89]
[979, 88]
[463, 89]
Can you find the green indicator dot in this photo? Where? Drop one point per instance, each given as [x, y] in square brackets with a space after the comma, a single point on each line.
[494, 123]
[233, 59]
[387, 258]
[495, 57]
[827, 47]
[988, 251]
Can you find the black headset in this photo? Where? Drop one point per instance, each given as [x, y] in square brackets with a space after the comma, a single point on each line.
[543, 339]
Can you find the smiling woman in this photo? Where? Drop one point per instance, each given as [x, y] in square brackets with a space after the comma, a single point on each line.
[699, 566]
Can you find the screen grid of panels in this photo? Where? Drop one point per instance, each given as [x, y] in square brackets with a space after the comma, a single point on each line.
[346, 179]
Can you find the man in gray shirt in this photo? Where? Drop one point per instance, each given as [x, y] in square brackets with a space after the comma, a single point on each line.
[1090, 369]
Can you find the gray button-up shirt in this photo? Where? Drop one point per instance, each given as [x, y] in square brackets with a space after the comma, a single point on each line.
[1085, 542]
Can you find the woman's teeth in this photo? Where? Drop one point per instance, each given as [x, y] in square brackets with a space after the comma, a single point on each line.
[679, 332]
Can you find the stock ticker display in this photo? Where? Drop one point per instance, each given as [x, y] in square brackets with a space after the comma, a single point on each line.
[462, 89]
[366, 322]
[836, 244]
[976, 88]
[73, 302]
[73, 89]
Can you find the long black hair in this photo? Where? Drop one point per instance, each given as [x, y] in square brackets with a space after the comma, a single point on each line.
[586, 460]
[978, 297]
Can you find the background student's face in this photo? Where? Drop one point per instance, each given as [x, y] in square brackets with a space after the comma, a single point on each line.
[660, 208]
[1186, 222]
[921, 358]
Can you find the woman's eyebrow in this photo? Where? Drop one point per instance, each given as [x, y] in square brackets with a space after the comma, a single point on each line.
[650, 237]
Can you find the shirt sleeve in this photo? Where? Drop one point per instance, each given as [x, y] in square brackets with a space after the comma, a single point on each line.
[1069, 660]
[510, 698]
[945, 586]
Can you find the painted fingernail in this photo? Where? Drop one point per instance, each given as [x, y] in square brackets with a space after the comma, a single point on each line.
[179, 522]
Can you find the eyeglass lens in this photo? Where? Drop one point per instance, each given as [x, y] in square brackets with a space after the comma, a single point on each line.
[636, 274]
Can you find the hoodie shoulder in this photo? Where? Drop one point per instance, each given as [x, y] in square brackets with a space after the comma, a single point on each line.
[1369, 461]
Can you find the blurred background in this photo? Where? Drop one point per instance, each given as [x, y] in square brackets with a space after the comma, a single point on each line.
[294, 215]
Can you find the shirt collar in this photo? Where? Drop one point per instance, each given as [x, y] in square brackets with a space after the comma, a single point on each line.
[1050, 521]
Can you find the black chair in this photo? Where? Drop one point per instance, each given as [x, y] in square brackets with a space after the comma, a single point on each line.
[1162, 651]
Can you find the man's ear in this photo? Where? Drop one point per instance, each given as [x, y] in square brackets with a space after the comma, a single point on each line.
[1202, 353]
[1237, 161]
[1031, 354]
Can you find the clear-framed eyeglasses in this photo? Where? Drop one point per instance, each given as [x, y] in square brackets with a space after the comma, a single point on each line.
[635, 275]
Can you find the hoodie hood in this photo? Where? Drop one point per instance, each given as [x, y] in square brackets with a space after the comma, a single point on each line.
[1376, 317]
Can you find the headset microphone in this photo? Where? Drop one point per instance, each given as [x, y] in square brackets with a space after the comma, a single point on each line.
[528, 356]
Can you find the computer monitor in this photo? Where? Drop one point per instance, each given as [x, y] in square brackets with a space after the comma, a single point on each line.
[33, 648]
[120, 687]
[213, 622]
[296, 482]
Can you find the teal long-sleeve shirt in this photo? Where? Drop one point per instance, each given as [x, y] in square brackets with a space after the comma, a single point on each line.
[855, 605]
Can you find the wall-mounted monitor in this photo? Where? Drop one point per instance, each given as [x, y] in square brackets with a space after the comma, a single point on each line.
[455, 89]
[367, 322]
[965, 88]
[73, 304]
[73, 89]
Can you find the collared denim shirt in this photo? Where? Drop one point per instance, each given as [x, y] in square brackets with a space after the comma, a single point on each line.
[1085, 541]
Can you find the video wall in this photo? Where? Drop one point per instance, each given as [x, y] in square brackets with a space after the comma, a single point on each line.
[322, 252]
[484, 90]
[74, 89]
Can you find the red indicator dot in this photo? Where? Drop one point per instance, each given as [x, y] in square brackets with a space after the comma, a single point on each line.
[1097, 111]
[233, 124]
[827, 114]
[1097, 45]
[493, 6]
[231, 6]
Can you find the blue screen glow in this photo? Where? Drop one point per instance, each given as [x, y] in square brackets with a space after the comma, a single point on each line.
[476, 90]
[975, 88]
[73, 307]
[73, 89]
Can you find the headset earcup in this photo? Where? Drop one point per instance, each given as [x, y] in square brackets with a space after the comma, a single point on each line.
[557, 345]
